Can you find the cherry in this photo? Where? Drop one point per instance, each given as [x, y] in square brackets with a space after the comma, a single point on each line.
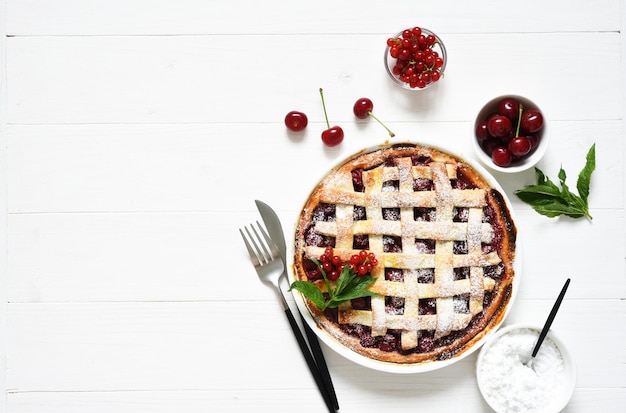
[499, 126]
[331, 136]
[501, 156]
[481, 131]
[519, 146]
[363, 108]
[296, 121]
[509, 134]
[509, 107]
[531, 121]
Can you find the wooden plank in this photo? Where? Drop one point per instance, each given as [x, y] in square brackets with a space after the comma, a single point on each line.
[187, 79]
[236, 401]
[180, 257]
[191, 346]
[145, 17]
[210, 167]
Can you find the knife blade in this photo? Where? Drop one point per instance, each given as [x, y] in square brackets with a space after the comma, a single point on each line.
[275, 229]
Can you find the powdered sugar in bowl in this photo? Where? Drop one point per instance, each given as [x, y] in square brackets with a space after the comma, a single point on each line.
[508, 385]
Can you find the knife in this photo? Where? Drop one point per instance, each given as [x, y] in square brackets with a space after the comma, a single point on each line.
[272, 223]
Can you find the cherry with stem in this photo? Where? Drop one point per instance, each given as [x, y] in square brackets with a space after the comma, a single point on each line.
[363, 108]
[332, 136]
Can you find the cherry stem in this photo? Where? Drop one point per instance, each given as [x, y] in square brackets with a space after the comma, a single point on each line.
[384, 126]
[324, 106]
[519, 119]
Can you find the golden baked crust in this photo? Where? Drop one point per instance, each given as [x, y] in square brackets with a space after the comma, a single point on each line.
[445, 244]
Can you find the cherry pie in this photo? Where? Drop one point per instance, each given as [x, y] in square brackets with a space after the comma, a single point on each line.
[444, 241]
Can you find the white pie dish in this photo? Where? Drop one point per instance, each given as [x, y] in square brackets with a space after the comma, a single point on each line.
[390, 367]
[553, 376]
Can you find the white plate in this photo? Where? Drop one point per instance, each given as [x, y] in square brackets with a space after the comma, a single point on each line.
[397, 367]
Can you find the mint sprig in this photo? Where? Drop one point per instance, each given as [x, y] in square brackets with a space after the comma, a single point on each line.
[347, 287]
[548, 199]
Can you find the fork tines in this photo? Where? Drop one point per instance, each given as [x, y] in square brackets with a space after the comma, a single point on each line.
[260, 254]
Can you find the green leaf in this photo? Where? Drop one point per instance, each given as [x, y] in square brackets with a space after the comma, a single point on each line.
[343, 282]
[311, 291]
[584, 178]
[347, 287]
[554, 209]
[548, 199]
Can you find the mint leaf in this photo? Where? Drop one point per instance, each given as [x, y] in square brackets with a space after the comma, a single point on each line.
[311, 291]
[344, 280]
[357, 288]
[548, 199]
[584, 178]
[347, 287]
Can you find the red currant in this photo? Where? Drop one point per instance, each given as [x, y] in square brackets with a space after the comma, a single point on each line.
[334, 275]
[417, 64]
[355, 260]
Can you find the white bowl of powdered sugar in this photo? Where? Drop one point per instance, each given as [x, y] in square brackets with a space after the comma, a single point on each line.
[508, 384]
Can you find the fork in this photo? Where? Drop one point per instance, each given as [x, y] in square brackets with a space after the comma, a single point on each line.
[269, 266]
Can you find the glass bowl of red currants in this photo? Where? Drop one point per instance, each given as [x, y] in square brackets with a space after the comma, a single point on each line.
[510, 134]
[415, 58]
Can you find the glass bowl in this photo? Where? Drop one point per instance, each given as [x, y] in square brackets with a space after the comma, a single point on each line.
[482, 148]
[434, 69]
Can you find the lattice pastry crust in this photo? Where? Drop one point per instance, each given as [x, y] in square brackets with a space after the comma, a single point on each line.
[445, 242]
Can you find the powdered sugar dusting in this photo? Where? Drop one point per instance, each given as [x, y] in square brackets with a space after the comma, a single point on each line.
[509, 384]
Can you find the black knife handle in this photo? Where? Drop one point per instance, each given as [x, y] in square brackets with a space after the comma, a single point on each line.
[310, 361]
[321, 362]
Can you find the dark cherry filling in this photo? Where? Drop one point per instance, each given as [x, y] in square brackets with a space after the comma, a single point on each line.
[361, 242]
[420, 160]
[394, 305]
[461, 303]
[359, 213]
[357, 180]
[392, 244]
[459, 247]
[427, 306]
[462, 182]
[426, 275]
[461, 273]
[461, 214]
[425, 246]
[391, 214]
[424, 214]
[421, 184]
[394, 274]
[391, 186]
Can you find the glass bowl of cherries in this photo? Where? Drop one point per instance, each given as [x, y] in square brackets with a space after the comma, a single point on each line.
[415, 58]
[510, 134]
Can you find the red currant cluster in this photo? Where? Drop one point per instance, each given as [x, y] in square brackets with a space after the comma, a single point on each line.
[361, 263]
[417, 63]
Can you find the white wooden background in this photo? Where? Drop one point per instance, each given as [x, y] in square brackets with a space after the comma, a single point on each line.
[136, 134]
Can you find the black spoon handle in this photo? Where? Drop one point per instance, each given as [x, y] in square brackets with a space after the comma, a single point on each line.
[550, 319]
